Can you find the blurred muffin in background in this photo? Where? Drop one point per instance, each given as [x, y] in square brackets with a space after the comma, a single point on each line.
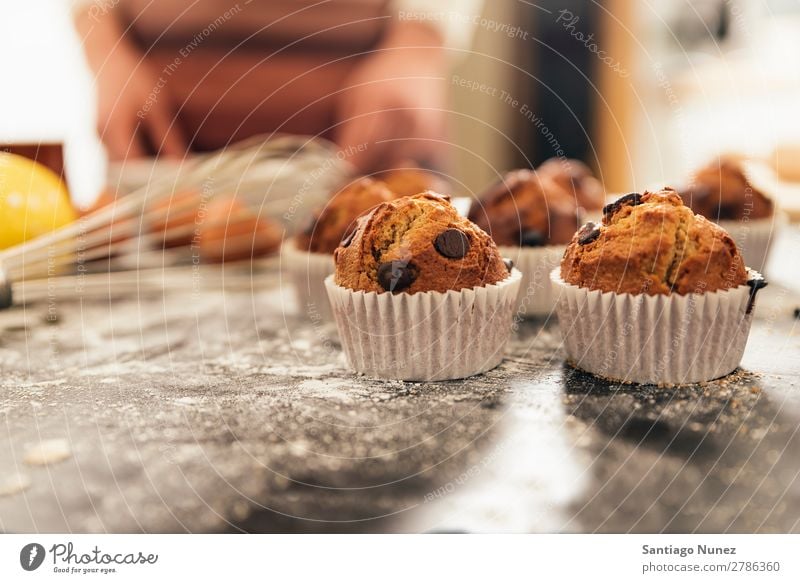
[723, 192]
[328, 225]
[309, 257]
[408, 180]
[532, 218]
[576, 178]
[526, 209]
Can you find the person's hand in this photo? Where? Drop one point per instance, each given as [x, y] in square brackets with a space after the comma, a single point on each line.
[134, 108]
[392, 108]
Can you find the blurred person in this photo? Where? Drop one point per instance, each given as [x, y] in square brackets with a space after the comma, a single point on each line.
[370, 74]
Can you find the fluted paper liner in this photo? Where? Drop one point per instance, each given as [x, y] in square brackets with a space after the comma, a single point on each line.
[307, 272]
[426, 336]
[755, 237]
[661, 339]
[536, 296]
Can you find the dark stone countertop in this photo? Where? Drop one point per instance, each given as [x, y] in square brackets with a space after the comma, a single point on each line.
[222, 410]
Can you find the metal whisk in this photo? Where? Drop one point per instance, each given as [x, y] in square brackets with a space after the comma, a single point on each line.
[271, 177]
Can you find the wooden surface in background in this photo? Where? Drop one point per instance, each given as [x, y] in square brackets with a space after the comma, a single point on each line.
[617, 103]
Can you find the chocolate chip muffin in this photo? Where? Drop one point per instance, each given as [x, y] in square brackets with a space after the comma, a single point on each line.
[527, 209]
[420, 293]
[652, 243]
[576, 178]
[411, 180]
[417, 244]
[329, 224]
[721, 191]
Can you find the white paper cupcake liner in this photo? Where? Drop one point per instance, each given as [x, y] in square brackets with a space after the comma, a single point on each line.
[426, 336]
[660, 339]
[754, 237]
[535, 291]
[307, 272]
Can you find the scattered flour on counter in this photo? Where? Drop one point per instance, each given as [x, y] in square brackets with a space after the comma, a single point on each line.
[13, 484]
[188, 401]
[113, 369]
[49, 451]
[324, 387]
[38, 384]
[301, 344]
[300, 370]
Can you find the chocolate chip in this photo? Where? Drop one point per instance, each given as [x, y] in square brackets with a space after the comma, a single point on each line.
[729, 211]
[531, 238]
[588, 233]
[348, 235]
[396, 275]
[797, 313]
[452, 243]
[632, 199]
[509, 264]
[756, 282]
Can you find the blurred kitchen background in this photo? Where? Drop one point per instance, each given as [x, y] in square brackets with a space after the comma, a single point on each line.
[695, 78]
[642, 91]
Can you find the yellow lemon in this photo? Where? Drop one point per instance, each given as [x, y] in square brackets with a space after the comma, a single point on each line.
[33, 200]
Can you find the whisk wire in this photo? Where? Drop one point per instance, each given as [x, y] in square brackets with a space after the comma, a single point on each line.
[138, 228]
